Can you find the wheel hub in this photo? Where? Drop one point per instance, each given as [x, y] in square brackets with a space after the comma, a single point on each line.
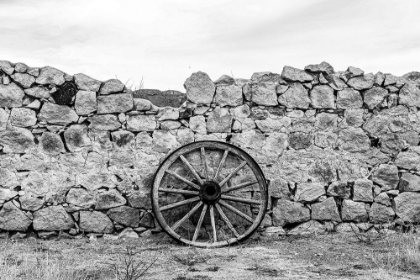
[210, 192]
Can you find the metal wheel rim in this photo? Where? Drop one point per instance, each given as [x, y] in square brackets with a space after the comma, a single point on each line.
[169, 161]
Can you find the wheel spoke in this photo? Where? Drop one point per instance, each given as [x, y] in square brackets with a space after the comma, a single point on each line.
[185, 161]
[240, 186]
[204, 161]
[239, 199]
[213, 223]
[228, 223]
[180, 203]
[200, 221]
[192, 211]
[232, 174]
[178, 191]
[222, 162]
[236, 211]
[183, 179]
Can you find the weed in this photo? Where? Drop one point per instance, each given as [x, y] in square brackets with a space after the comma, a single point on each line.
[131, 268]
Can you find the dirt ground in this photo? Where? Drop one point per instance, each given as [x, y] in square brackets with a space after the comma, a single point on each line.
[332, 256]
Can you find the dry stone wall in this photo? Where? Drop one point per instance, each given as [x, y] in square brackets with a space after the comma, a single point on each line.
[340, 149]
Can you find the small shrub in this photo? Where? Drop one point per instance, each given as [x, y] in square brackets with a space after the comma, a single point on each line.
[130, 268]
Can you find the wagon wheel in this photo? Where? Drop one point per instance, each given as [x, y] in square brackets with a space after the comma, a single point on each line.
[209, 194]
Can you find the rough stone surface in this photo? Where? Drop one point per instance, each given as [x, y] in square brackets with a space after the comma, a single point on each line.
[125, 215]
[264, 94]
[51, 144]
[13, 219]
[109, 199]
[220, 120]
[11, 95]
[386, 176]
[86, 83]
[409, 183]
[322, 97]
[354, 211]
[80, 197]
[24, 80]
[76, 137]
[96, 222]
[296, 96]
[200, 88]
[309, 192]
[38, 92]
[349, 98]
[381, 214]
[363, 190]
[323, 67]
[353, 140]
[339, 189]
[115, 103]
[407, 207]
[288, 212]
[362, 82]
[85, 102]
[308, 228]
[22, 117]
[228, 95]
[141, 123]
[52, 218]
[112, 86]
[295, 75]
[17, 140]
[104, 122]
[57, 114]
[50, 75]
[326, 211]
[375, 96]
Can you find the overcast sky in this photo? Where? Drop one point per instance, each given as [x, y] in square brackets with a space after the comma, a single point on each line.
[165, 41]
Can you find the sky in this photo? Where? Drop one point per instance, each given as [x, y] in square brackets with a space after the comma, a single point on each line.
[163, 42]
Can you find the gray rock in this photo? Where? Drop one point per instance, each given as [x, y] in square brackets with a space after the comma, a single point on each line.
[296, 96]
[31, 203]
[353, 117]
[21, 67]
[266, 77]
[353, 140]
[413, 76]
[390, 79]
[200, 88]
[147, 220]
[128, 233]
[375, 96]
[264, 94]
[386, 176]
[220, 120]
[122, 138]
[409, 183]
[80, 197]
[51, 144]
[383, 199]
[141, 123]
[326, 121]
[381, 214]
[76, 138]
[339, 189]
[57, 114]
[326, 211]
[50, 75]
[300, 140]
[288, 212]
[125, 215]
[295, 75]
[38, 92]
[85, 102]
[410, 95]
[4, 119]
[139, 199]
[141, 104]
[96, 222]
[104, 122]
[6, 194]
[379, 79]
[273, 124]
[391, 143]
[52, 218]
[115, 103]
[322, 97]
[198, 124]
[354, 211]
[112, 86]
[22, 117]
[225, 80]
[16, 140]
[323, 67]
[273, 231]
[349, 98]
[109, 199]
[336, 82]
[309, 192]
[6, 67]
[95, 180]
[33, 71]
[11, 95]
[362, 82]
[86, 83]
[308, 228]
[228, 95]
[24, 80]
[325, 139]
[407, 207]
[408, 160]
[168, 114]
[13, 219]
[363, 190]
[170, 125]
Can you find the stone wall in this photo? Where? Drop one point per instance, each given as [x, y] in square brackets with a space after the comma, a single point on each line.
[340, 149]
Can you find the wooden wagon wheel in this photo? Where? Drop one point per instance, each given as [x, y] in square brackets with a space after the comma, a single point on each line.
[220, 179]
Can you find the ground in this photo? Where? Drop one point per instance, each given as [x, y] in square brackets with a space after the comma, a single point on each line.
[331, 256]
